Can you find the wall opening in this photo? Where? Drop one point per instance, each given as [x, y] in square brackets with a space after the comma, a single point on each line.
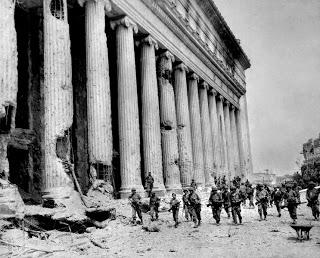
[57, 9]
[6, 121]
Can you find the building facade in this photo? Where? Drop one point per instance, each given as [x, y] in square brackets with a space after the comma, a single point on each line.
[114, 89]
[311, 151]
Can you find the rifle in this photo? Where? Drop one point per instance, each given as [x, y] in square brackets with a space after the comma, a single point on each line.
[286, 205]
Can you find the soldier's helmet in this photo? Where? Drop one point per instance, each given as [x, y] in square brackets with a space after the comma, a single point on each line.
[232, 188]
[214, 188]
[311, 183]
[185, 190]
[191, 189]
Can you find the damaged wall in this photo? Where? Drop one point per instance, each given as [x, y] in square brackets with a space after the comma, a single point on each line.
[58, 100]
[8, 78]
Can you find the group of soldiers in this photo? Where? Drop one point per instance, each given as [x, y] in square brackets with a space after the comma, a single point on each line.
[230, 199]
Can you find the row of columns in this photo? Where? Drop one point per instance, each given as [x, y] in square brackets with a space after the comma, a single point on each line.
[188, 130]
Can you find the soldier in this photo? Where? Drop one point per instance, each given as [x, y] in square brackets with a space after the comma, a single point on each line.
[215, 201]
[277, 198]
[154, 206]
[193, 184]
[262, 201]
[149, 184]
[243, 193]
[174, 207]
[235, 200]
[135, 202]
[249, 191]
[224, 179]
[226, 200]
[313, 199]
[292, 200]
[186, 204]
[195, 207]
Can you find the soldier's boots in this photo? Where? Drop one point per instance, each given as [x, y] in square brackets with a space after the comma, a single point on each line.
[279, 215]
[240, 220]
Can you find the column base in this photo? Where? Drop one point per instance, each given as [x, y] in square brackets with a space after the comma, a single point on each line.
[159, 190]
[126, 191]
[174, 189]
[55, 196]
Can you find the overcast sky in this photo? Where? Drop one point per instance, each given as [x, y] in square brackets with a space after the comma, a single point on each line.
[282, 39]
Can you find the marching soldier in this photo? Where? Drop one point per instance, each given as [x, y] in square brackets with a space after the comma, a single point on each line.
[186, 204]
[195, 207]
[135, 202]
[226, 200]
[154, 206]
[235, 200]
[193, 184]
[277, 198]
[313, 199]
[262, 201]
[215, 201]
[249, 191]
[149, 184]
[174, 207]
[292, 200]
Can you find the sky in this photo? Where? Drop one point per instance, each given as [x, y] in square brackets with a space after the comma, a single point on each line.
[282, 40]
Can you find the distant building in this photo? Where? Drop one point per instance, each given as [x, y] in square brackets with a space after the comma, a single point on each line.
[311, 151]
[265, 177]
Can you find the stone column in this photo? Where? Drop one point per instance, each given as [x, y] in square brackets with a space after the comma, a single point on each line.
[235, 144]
[222, 138]
[98, 87]
[58, 102]
[226, 111]
[168, 122]
[240, 144]
[8, 78]
[206, 134]
[246, 136]
[183, 124]
[214, 128]
[129, 135]
[195, 122]
[151, 134]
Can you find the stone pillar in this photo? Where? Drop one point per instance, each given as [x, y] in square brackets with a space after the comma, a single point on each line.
[240, 144]
[235, 144]
[246, 136]
[129, 135]
[206, 134]
[226, 111]
[222, 138]
[151, 134]
[183, 124]
[8, 78]
[215, 129]
[98, 87]
[168, 122]
[195, 122]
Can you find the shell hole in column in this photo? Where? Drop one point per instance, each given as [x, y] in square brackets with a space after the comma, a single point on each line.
[57, 9]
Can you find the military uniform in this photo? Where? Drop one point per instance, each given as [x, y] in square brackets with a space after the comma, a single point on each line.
[174, 207]
[149, 184]
[154, 204]
[313, 201]
[216, 201]
[193, 185]
[277, 198]
[292, 200]
[135, 201]
[249, 191]
[186, 204]
[226, 201]
[195, 207]
[235, 200]
[262, 198]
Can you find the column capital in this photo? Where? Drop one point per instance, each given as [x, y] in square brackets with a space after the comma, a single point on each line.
[204, 85]
[148, 40]
[233, 108]
[221, 98]
[106, 3]
[125, 22]
[193, 76]
[166, 54]
[181, 66]
[212, 91]
[227, 103]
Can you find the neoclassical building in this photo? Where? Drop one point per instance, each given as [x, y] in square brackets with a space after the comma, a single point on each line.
[114, 89]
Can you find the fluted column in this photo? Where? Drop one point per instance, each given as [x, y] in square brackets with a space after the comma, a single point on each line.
[246, 136]
[222, 137]
[183, 124]
[129, 135]
[240, 144]
[215, 129]
[58, 102]
[196, 134]
[206, 134]
[98, 86]
[235, 144]
[151, 134]
[226, 112]
[168, 122]
[8, 76]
